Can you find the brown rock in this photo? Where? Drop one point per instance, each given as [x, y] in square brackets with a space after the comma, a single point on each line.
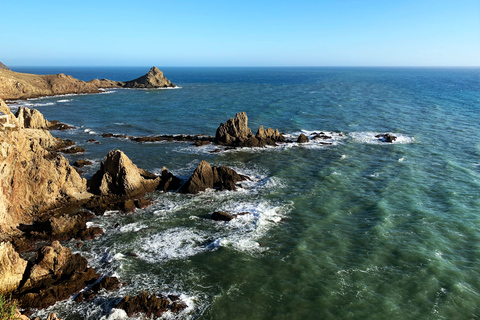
[269, 134]
[107, 283]
[149, 305]
[168, 182]
[204, 177]
[302, 138]
[12, 268]
[15, 85]
[31, 119]
[221, 216]
[119, 176]
[4, 67]
[82, 163]
[32, 179]
[234, 130]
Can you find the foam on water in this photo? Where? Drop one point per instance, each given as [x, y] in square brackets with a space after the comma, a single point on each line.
[370, 138]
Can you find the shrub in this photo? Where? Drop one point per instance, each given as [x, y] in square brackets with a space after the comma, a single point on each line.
[7, 308]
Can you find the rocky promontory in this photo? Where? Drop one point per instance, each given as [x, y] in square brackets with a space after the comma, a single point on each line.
[153, 79]
[16, 85]
[4, 67]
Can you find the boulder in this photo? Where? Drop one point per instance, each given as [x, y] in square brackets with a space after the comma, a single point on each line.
[82, 163]
[12, 268]
[221, 216]
[119, 176]
[302, 138]
[205, 176]
[234, 131]
[168, 182]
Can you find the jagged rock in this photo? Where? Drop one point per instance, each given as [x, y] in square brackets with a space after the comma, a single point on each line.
[72, 150]
[205, 176]
[154, 78]
[119, 176]
[148, 305]
[12, 268]
[168, 182]
[31, 119]
[302, 138]
[55, 275]
[32, 179]
[4, 67]
[107, 283]
[269, 134]
[234, 130]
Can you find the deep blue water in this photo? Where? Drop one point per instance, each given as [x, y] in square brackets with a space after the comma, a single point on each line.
[354, 230]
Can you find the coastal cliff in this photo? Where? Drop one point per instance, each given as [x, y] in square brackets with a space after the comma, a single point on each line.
[4, 67]
[16, 85]
[32, 179]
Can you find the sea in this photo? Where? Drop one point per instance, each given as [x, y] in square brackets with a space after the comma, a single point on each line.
[345, 228]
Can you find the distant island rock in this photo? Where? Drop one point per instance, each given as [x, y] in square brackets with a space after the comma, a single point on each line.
[4, 67]
[16, 85]
[153, 79]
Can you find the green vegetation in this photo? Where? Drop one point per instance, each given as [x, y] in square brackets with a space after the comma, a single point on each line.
[7, 308]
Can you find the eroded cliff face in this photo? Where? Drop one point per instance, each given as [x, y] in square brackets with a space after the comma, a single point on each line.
[32, 179]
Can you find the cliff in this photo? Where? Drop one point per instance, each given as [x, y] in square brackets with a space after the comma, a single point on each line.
[32, 179]
[153, 79]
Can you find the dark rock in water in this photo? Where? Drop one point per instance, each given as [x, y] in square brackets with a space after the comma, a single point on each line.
[82, 163]
[54, 275]
[205, 176]
[200, 143]
[386, 137]
[321, 136]
[142, 203]
[55, 125]
[93, 141]
[221, 216]
[168, 182]
[4, 67]
[107, 283]
[119, 176]
[302, 138]
[148, 305]
[72, 150]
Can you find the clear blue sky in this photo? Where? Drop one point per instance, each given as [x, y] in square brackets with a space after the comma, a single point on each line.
[240, 33]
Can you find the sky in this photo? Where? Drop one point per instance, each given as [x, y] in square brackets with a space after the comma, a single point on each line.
[240, 33]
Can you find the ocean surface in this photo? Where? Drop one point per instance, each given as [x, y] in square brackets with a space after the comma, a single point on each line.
[357, 229]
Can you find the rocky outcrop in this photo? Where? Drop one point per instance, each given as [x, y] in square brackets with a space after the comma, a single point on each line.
[386, 137]
[12, 268]
[31, 119]
[119, 176]
[32, 179]
[4, 67]
[150, 305]
[236, 133]
[15, 85]
[206, 176]
[153, 79]
[302, 138]
[225, 216]
[54, 275]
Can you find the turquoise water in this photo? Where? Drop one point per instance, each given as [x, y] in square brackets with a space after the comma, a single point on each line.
[354, 230]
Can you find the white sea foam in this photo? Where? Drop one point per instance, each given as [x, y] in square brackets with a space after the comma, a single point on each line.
[89, 131]
[370, 138]
[64, 100]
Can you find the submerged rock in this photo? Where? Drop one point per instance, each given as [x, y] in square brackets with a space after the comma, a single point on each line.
[205, 176]
[386, 137]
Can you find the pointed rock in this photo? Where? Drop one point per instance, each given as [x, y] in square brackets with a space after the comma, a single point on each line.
[12, 268]
[234, 131]
[119, 176]
[31, 119]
